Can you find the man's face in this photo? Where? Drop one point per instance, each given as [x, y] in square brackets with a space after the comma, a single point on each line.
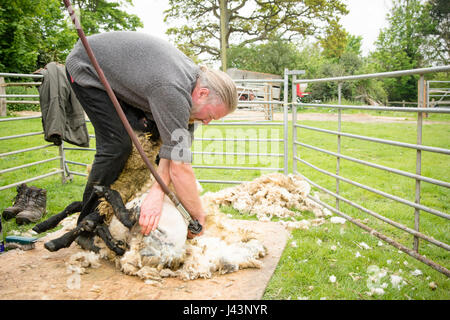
[205, 110]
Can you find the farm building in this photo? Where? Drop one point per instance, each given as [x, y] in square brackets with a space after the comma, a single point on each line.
[258, 90]
[263, 91]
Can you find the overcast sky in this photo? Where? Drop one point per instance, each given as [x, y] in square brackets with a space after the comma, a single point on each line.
[365, 19]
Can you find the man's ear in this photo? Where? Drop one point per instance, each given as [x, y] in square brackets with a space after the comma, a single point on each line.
[203, 92]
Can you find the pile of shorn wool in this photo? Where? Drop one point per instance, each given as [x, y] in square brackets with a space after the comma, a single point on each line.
[273, 195]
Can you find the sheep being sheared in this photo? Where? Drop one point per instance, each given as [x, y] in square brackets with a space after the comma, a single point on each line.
[165, 251]
[134, 175]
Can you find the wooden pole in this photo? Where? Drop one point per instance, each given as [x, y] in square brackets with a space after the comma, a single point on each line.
[223, 34]
[2, 100]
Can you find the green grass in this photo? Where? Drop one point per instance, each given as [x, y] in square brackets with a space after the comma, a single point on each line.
[304, 270]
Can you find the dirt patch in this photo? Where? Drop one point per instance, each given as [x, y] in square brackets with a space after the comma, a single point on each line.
[39, 274]
[26, 113]
[278, 116]
[360, 117]
[356, 117]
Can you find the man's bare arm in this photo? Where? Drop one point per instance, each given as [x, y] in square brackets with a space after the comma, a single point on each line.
[153, 202]
[183, 179]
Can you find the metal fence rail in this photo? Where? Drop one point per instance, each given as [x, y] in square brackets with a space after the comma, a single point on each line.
[266, 103]
[422, 108]
[61, 171]
[256, 142]
[3, 95]
[30, 164]
[438, 96]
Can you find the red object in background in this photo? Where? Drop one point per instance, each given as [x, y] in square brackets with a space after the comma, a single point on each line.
[301, 94]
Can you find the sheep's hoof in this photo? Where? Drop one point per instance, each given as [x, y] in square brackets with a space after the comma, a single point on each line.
[50, 246]
[119, 251]
[117, 246]
[122, 244]
[120, 247]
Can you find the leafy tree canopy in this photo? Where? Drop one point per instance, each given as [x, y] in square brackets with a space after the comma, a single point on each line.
[415, 38]
[196, 23]
[36, 32]
[438, 31]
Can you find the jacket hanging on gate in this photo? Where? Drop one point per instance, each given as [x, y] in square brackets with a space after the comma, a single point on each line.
[62, 114]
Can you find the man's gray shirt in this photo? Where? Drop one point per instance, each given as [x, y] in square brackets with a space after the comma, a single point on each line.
[148, 73]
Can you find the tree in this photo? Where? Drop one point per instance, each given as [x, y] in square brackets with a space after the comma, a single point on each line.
[399, 47]
[103, 15]
[36, 32]
[354, 44]
[197, 29]
[18, 42]
[271, 57]
[56, 37]
[335, 40]
[437, 32]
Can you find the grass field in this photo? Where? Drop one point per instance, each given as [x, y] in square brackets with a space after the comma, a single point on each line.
[325, 262]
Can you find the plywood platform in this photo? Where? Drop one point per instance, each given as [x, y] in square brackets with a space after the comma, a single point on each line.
[39, 274]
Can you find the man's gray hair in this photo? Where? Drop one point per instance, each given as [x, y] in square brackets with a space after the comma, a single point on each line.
[221, 85]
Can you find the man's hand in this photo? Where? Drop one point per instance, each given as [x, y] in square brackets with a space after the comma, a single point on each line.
[151, 210]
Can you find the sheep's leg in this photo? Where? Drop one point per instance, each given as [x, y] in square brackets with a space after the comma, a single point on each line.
[86, 241]
[103, 232]
[88, 224]
[115, 200]
[53, 221]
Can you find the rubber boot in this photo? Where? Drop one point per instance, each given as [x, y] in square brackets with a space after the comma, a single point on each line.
[86, 241]
[85, 228]
[66, 239]
[20, 202]
[35, 207]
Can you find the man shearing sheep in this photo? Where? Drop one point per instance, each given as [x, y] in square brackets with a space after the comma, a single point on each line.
[153, 81]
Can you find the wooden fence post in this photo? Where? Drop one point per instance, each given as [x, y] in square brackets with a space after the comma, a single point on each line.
[2, 100]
